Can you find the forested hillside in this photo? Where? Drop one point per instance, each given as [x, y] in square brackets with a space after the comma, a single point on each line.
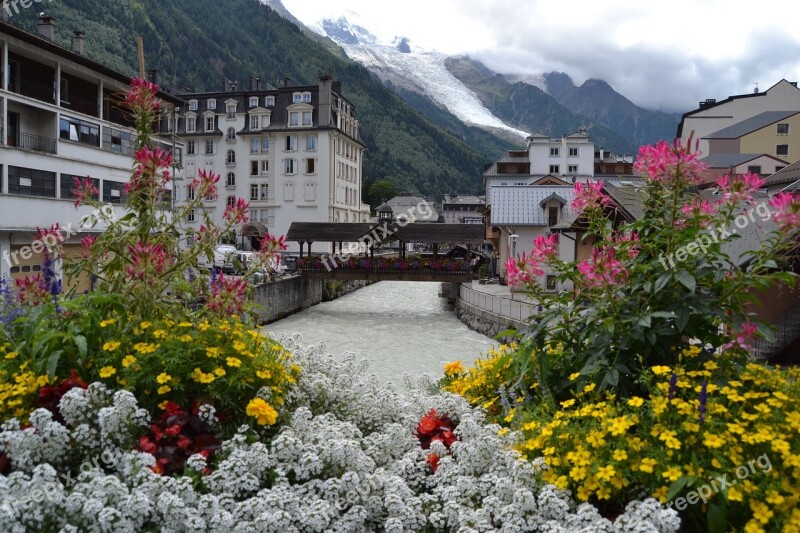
[195, 44]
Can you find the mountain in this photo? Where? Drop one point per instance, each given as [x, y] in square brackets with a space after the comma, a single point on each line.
[511, 106]
[196, 44]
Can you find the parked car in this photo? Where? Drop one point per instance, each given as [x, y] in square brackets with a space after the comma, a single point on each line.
[224, 255]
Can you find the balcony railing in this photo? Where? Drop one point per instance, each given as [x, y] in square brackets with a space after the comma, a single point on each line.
[786, 328]
[35, 90]
[80, 104]
[27, 141]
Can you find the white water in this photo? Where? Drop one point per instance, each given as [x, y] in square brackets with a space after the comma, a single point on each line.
[398, 326]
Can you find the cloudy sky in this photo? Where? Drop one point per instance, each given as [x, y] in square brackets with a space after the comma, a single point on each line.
[661, 55]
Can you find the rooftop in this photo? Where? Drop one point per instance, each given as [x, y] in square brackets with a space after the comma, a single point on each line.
[522, 205]
[751, 124]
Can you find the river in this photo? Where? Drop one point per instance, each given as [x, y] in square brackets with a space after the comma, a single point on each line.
[397, 326]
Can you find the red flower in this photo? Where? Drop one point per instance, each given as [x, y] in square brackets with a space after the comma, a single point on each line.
[429, 423]
[433, 460]
[146, 445]
[83, 189]
[236, 213]
[173, 430]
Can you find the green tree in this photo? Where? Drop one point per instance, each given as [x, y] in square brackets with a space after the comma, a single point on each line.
[380, 191]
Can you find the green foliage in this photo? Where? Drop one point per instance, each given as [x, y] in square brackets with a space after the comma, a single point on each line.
[381, 191]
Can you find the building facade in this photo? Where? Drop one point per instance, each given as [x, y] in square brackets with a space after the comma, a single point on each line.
[294, 153]
[463, 209]
[62, 116]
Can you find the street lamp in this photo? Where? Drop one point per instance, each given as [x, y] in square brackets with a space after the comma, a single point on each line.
[513, 238]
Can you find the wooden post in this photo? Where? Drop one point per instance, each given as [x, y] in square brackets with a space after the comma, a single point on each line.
[140, 47]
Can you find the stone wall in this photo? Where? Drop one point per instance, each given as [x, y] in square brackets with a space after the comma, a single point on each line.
[286, 296]
[482, 321]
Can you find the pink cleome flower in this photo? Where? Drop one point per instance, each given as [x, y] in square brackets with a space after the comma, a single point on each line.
[83, 189]
[205, 185]
[740, 339]
[228, 295]
[589, 195]
[787, 207]
[236, 213]
[147, 258]
[142, 95]
[527, 267]
[150, 163]
[603, 269]
[739, 188]
[271, 248]
[673, 164]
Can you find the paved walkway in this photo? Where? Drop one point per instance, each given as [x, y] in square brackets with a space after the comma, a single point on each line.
[495, 289]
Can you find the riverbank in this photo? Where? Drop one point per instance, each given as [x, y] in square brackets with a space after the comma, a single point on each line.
[490, 309]
[289, 295]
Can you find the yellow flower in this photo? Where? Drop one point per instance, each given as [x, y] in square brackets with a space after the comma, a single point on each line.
[635, 402]
[589, 388]
[107, 371]
[160, 334]
[128, 360]
[185, 325]
[713, 441]
[201, 377]
[647, 465]
[605, 473]
[145, 324]
[219, 371]
[234, 362]
[11, 355]
[573, 377]
[761, 511]
[163, 389]
[185, 338]
[163, 378]
[672, 473]
[106, 323]
[213, 352]
[568, 403]
[204, 326]
[661, 369]
[734, 495]
[453, 368]
[263, 412]
[577, 473]
[145, 348]
[110, 346]
[620, 455]
[163, 405]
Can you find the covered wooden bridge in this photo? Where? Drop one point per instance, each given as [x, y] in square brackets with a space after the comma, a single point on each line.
[353, 245]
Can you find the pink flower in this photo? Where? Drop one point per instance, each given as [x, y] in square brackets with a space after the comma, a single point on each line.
[787, 206]
[228, 295]
[31, 290]
[270, 248]
[739, 188]
[589, 195]
[746, 331]
[603, 269]
[545, 248]
[142, 95]
[629, 242]
[236, 213]
[83, 189]
[146, 259]
[205, 185]
[522, 270]
[86, 244]
[150, 163]
[674, 164]
[698, 208]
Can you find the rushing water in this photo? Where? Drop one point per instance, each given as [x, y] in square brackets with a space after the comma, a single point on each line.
[398, 326]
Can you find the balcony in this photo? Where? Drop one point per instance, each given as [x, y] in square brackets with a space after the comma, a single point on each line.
[29, 142]
[80, 104]
[38, 91]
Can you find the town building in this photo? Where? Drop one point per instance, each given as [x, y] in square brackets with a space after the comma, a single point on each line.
[712, 116]
[463, 209]
[783, 179]
[408, 207]
[293, 152]
[719, 165]
[62, 116]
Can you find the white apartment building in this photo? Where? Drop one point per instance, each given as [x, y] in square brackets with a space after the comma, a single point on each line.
[62, 116]
[570, 158]
[294, 153]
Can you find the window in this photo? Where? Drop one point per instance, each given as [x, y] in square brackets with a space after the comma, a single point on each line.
[230, 111]
[291, 143]
[306, 118]
[289, 166]
[293, 118]
[191, 124]
[190, 148]
[783, 129]
[189, 193]
[31, 182]
[778, 168]
[254, 191]
[552, 215]
[270, 101]
[307, 98]
[264, 192]
[254, 101]
[209, 147]
[73, 129]
[210, 124]
[68, 185]
[573, 152]
[573, 169]
[754, 169]
[310, 192]
[231, 201]
[113, 192]
[264, 166]
[311, 142]
[230, 158]
[212, 103]
[231, 136]
[118, 141]
[253, 122]
[192, 105]
[264, 145]
[297, 98]
[190, 218]
[288, 191]
[254, 145]
[310, 165]
[550, 283]
[782, 149]
[230, 180]
[553, 152]
[554, 169]
[254, 168]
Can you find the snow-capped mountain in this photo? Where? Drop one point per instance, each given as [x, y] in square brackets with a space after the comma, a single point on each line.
[405, 65]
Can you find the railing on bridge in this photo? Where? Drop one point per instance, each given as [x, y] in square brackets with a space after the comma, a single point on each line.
[513, 310]
[386, 269]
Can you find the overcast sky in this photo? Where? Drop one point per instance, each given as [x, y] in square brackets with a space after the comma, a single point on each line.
[661, 55]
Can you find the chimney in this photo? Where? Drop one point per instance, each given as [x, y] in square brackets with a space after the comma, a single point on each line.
[287, 81]
[47, 27]
[152, 75]
[78, 41]
[255, 83]
[325, 99]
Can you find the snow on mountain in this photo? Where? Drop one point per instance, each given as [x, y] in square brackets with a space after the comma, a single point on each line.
[410, 67]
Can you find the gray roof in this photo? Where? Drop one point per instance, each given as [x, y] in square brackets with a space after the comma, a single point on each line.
[793, 187]
[406, 204]
[729, 160]
[461, 199]
[517, 205]
[787, 174]
[629, 197]
[752, 236]
[751, 124]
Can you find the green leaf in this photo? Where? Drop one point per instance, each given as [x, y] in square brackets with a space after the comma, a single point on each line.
[686, 279]
[716, 518]
[52, 363]
[80, 342]
[677, 486]
[682, 318]
[662, 281]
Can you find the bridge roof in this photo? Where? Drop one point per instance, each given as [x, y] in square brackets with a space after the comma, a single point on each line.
[414, 232]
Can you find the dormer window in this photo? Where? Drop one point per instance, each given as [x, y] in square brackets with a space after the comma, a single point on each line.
[191, 124]
[294, 118]
[307, 98]
[254, 122]
[210, 126]
[306, 118]
[254, 101]
[231, 110]
[192, 105]
[552, 215]
[297, 98]
[212, 104]
[270, 101]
